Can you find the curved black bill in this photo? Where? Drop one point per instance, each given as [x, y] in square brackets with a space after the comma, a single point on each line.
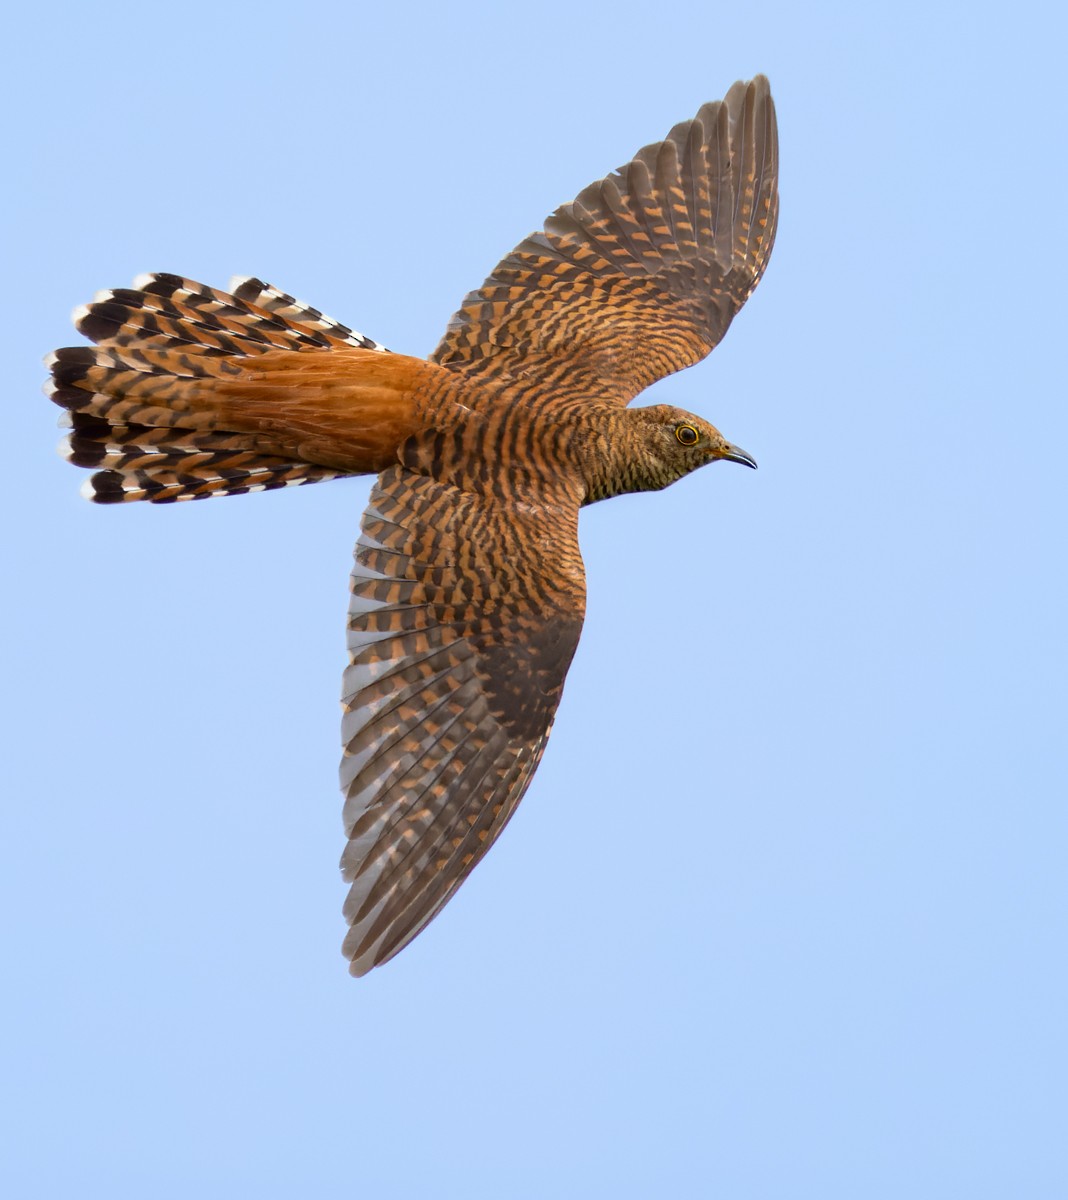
[738, 455]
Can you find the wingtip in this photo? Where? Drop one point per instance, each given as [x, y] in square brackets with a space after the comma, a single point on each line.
[358, 968]
[362, 960]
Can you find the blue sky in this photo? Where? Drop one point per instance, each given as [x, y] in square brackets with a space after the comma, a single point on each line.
[783, 913]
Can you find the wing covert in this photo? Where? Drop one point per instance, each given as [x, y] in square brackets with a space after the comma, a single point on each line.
[643, 272]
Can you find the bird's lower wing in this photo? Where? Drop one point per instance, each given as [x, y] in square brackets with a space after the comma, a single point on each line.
[643, 272]
[465, 614]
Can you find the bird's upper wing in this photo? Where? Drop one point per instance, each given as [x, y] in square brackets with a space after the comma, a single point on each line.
[466, 611]
[643, 272]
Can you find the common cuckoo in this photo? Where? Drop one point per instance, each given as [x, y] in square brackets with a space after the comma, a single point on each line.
[468, 590]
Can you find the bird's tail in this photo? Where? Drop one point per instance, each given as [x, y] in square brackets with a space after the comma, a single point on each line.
[191, 392]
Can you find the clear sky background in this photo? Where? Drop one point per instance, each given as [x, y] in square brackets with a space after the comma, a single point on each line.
[783, 913]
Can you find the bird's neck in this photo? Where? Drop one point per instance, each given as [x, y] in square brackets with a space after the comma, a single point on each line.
[618, 455]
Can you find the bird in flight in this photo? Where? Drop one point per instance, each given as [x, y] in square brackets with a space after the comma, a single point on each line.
[468, 590]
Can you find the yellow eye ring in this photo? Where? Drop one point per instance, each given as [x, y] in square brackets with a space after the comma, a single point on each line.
[687, 435]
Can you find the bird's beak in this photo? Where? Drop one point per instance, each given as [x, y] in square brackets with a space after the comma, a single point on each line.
[736, 454]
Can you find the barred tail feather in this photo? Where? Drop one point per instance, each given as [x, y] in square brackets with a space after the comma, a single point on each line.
[257, 317]
[263, 296]
[138, 462]
[162, 407]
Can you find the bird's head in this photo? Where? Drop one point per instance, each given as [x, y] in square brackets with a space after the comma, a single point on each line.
[672, 443]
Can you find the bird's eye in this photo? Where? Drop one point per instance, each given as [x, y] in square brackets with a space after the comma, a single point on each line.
[687, 435]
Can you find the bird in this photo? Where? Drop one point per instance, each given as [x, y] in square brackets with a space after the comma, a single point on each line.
[468, 589]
